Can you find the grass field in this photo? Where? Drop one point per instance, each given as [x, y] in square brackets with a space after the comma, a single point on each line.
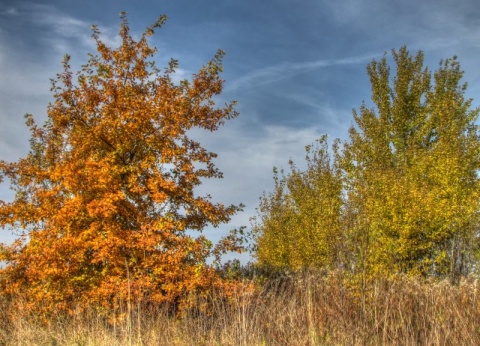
[302, 309]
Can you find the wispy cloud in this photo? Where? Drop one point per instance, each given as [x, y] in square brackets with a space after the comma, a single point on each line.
[65, 33]
[248, 156]
[24, 86]
[10, 11]
[427, 25]
[281, 71]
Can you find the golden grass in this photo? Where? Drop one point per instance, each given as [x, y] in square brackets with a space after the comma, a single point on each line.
[302, 309]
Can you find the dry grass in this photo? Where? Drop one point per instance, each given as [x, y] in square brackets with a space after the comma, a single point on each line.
[307, 309]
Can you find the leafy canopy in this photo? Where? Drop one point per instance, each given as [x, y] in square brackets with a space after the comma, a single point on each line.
[402, 193]
[106, 195]
[298, 223]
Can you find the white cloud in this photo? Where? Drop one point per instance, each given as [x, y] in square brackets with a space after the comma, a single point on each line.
[25, 82]
[24, 88]
[180, 75]
[333, 119]
[68, 33]
[247, 158]
[65, 34]
[347, 11]
[11, 11]
[425, 25]
[281, 71]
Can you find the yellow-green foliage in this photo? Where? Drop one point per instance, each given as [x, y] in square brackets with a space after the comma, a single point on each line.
[409, 184]
[299, 222]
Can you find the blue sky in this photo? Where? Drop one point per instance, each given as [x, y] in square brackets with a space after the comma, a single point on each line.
[296, 67]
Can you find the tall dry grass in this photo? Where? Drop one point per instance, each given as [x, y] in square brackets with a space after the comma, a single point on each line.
[304, 309]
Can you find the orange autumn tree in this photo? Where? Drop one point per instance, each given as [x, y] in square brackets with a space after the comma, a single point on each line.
[105, 198]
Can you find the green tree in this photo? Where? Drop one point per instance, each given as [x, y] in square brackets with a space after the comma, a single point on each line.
[400, 196]
[298, 224]
[410, 172]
